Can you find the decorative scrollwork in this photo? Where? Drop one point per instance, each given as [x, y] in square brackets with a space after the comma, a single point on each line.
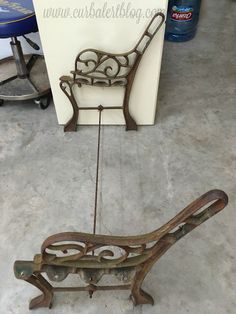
[69, 248]
[99, 68]
[60, 254]
[97, 64]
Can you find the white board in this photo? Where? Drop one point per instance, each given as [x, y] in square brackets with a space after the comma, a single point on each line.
[64, 37]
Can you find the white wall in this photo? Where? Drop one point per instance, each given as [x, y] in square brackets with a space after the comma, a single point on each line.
[63, 38]
[5, 49]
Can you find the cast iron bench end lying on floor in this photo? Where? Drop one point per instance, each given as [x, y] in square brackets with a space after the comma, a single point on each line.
[129, 258]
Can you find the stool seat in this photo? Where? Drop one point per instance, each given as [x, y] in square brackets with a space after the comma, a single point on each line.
[17, 19]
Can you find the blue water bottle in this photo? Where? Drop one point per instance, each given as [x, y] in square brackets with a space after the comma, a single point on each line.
[182, 19]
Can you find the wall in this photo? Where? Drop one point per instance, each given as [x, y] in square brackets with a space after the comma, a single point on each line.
[64, 36]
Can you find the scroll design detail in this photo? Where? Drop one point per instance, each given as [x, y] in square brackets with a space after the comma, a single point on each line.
[115, 255]
[95, 67]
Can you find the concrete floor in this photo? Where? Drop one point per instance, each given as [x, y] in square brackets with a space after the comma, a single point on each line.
[47, 181]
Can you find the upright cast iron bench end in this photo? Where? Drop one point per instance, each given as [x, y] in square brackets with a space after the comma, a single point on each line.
[106, 69]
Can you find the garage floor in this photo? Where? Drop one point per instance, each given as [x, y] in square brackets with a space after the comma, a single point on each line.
[47, 181]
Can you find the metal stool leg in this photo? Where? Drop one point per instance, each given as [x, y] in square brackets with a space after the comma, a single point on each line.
[24, 77]
[21, 67]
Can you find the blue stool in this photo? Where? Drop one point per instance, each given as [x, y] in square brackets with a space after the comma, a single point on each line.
[22, 77]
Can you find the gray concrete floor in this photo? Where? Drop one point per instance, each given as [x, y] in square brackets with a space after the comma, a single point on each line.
[47, 181]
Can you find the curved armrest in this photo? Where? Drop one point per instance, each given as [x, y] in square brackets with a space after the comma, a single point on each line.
[216, 200]
[66, 79]
[187, 220]
[99, 64]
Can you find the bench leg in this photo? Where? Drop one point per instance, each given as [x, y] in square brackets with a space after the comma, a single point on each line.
[67, 88]
[138, 295]
[44, 300]
[130, 123]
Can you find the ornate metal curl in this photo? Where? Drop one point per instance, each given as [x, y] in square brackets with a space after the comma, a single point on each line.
[93, 256]
[104, 69]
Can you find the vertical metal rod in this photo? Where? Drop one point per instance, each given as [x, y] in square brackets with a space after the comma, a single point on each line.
[100, 109]
[21, 67]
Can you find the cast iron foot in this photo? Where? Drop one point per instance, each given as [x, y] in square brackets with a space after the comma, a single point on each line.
[141, 297]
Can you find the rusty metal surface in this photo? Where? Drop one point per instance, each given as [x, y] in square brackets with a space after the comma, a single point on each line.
[92, 256]
[99, 68]
[100, 109]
